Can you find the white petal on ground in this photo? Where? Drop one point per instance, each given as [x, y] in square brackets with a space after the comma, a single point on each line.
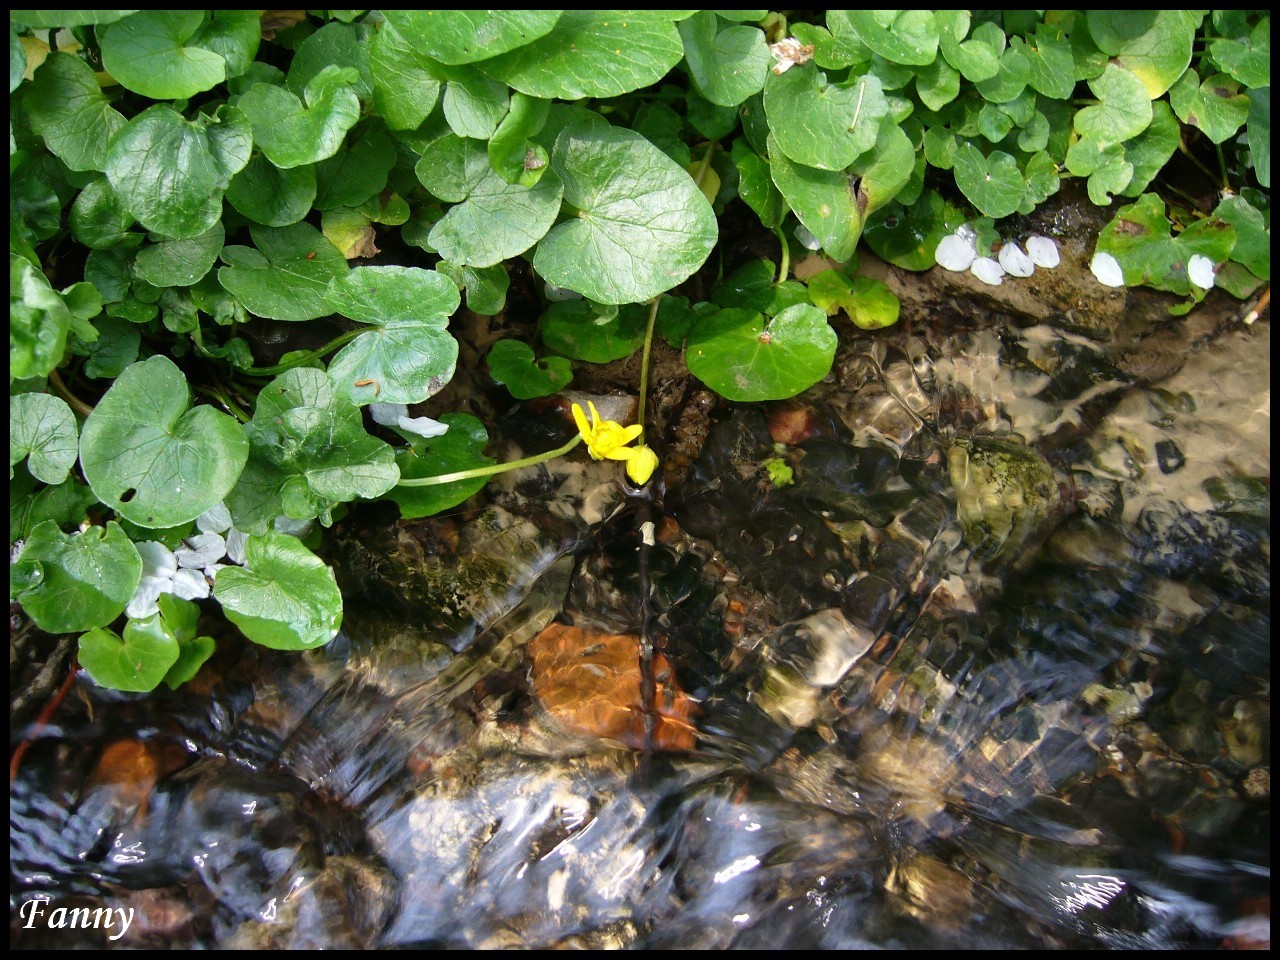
[1200, 272]
[144, 602]
[190, 585]
[422, 426]
[806, 238]
[200, 551]
[157, 559]
[388, 414]
[988, 271]
[1043, 252]
[956, 253]
[216, 519]
[1107, 269]
[236, 540]
[1015, 261]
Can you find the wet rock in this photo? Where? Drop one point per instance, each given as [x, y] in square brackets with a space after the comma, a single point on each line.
[1169, 457]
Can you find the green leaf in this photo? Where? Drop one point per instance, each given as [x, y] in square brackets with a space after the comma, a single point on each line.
[65, 504]
[738, 356]
[405, 85]
[409, 356]
[113, 351]
[464, 36]
[170, 174]
[512, 364]
[1010, 80]
[98, 218]
[17, 59]
[234, 35]
[67, 18]
[755, 185]
[937, 84]
[181, 618]
[268, 195]
[179, 263]
[474, 104]
[1140, 238]
[136, 662]
[486, 286]
[820, 124]
[619, 249]
[908, 236]
[42, 427]
[1259, 134]
[39, 322]
[1124, 110]
[977, 58]
[345, 45]
[571, 328]
[1050, 61]
[592, 53]
[822, 199]
[727, 65]
[1216, 106]
[1154, 45]
[286, 276]
[1106, 167]
[67, 108]
[1253, 236]
[150, 457]
[513, 156]
[1247, 59]
[900, 36]
[884, 171]
[496, 220]
[875, 306]
[70, 583]
[293, 132]
[148, 53]
[1152, 149]
[284, 597]
[461, 448]
[309, 452]
[993, 184]
[752, 287]
[358, 170]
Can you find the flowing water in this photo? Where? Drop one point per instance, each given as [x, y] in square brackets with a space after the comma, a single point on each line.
[993, 671]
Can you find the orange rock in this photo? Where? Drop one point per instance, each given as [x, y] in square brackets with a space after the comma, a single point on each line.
[590, 683]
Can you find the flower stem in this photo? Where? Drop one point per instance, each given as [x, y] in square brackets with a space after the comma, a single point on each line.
[491, 470]
[784, 267]
[76, 404]
[341, 340]
[644, 364]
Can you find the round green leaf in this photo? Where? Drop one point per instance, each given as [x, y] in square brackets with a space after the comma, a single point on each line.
[592, 53]
[333, 45]
[284, 597]
[113, 351]
[136, 662]
[908, 236]
[179, 263]
[1050, 60]
[1152, 149]
[42, 427]
[1124, 110]
[233, 35]
[292, 132]
[821, 124]
[358, 170]
[884, 171]
[151, 458]
[738, 356]
[900, 36]
[464, 36]
[461, 448]
[977, 58]
[512, 364]
[286, 277]
[1247, 59]
[405, 83]
[98, 218]
[268, 195]
[170, 174]
[822, 199]
[66, 18]
[727, 65]
[39, 322]
[76, 582]
[993, 184]
[1142, 242]
[1253, 236]
[874, 305]
[1216, 106]
[474, 104]
[67, 108]
[571, 328]
[1154, 45]
[148, 53]
[642, 226]
[409, 356]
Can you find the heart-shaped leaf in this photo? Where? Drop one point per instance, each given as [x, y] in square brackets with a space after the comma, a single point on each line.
[1154, 45]
[822, 199]
[286, 276]
[738, 356]
[148, 53]
[99, 220]
[1141, 240]
[461, 448]
[464, 36]
[43, 428]
[1217, 106]
[136, 662]
[571, 328]
[618, 249]
[511, 363]
[292, 132]
[1124, 110]
[68, 583]
[410, 355]
[67, 108]
[900, 36]
[993, 183]
[273, 197]
[181, 618]
[1247, 59]
[179, 263]
[821, 124]
[727, 64]
[150, 457]
[284, 597]
[405, 82]
[977, 58]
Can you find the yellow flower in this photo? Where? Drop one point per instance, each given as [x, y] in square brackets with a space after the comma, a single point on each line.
[608, 439]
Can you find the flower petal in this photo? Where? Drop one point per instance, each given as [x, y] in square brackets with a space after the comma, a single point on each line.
[955, 253]
[1200, 272]
[1015, 261]
[1043, 252]
[988, 271]
[1107, 269]
[641, 466]
[422, 426]
[580, 418]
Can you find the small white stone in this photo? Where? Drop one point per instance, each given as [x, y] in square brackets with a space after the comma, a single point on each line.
[806, 238]
[1107, 269]
[988, 271]
[1043, 252]
[956, 253]
[1015, 261]
[1200, 272]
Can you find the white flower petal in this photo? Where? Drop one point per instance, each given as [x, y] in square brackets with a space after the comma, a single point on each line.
[988, 271]
[387, 413]
[1043, 252]
[1015, 261]
[556, 294]
[190, 585]
[201, 550]
[1200, 272]
[1107, 269]
[212, 570]
[422, 426]
[807, 239]
[214, 520]
[955, 253]
[236, 540]
[157, 559]
[144, 599]
[294, 528]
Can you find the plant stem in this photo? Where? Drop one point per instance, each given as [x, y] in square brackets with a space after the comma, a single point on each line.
[705, 163]
[491, 470]
[644, 364]
[74, 402]
[341, 340]
[784, 267]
